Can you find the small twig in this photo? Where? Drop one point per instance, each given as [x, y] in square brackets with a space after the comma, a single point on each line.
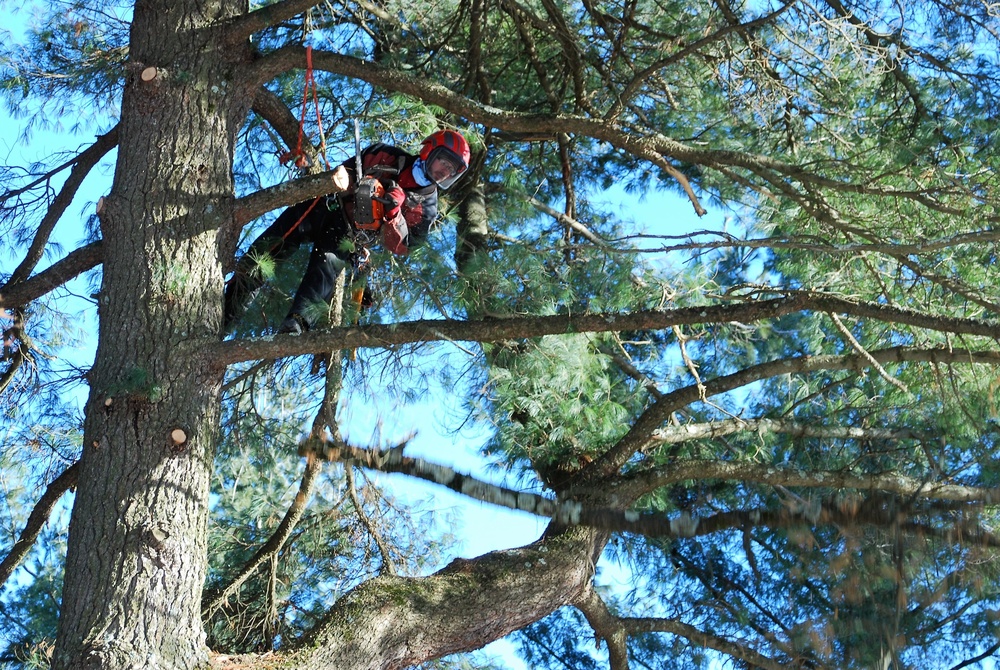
[388, 567]
[691, 365]
[274, 544]
[861, 350]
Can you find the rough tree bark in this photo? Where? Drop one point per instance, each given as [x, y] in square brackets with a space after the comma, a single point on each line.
[137, 546]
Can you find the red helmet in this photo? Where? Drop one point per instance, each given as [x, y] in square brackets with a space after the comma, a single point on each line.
[446, 157]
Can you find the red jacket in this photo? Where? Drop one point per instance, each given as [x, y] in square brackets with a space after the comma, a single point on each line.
[417, 212]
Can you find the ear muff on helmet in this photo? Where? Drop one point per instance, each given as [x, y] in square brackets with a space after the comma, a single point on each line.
[446, 157]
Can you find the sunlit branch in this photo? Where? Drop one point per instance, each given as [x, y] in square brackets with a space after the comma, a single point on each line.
[858, 347]
[287, 193]
[717, 429]
[844, 512]
[241, 28]
[569, 222]
[525, 584]
[37, 519]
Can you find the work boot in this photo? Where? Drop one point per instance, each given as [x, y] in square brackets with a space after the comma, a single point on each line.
[294, 324]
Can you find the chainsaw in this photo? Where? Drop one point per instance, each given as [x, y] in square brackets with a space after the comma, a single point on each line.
[369, 196]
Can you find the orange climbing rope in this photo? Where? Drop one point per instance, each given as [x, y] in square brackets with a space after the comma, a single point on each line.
[298, 154]
[309, 88]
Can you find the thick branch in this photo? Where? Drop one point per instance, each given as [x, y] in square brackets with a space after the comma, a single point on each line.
[289, 193]
[394, 622]
[606, 626]
[620, 494]
[235, 351]
[639, 436]
[272, 109]
[74, 264]
[81, 168]
[36, 520]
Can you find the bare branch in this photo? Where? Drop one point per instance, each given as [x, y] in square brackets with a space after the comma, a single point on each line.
[864, 352]
[569, 222]
[606, 626]
[41, 179]
[287, 193]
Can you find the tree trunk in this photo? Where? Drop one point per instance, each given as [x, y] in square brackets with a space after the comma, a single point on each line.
[137, 545]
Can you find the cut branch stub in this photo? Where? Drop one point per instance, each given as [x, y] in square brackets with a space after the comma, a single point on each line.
[340, 178]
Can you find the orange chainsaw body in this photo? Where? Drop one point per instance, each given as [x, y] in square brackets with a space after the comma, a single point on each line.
[368, 208]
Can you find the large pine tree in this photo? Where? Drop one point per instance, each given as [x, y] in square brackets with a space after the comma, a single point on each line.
[783, 431]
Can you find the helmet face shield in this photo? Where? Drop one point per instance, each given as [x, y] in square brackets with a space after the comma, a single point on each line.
[443, 167]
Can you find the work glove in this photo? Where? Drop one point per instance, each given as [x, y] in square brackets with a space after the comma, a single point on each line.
[393, 199]
[394, 234]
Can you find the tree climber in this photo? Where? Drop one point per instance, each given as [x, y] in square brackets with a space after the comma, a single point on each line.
[397, 198]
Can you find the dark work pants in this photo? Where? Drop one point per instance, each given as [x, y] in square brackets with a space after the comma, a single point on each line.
[326, 230]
